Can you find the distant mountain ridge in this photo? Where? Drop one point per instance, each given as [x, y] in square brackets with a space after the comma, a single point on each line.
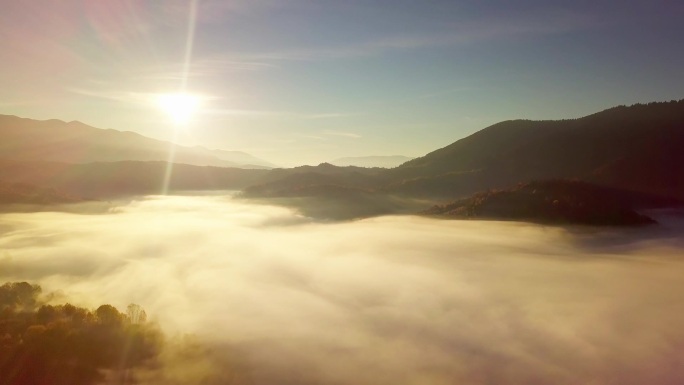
[115, 179]
[24, 139]
[22, 193]
[635, 149]
[630, 149]
[388, 161]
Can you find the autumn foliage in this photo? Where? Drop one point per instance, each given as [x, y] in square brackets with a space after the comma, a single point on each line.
[66, 344]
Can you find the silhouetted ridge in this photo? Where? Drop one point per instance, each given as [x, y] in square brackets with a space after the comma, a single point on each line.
[114, 179]
[24, 193]
[636, 148]
[555, 201]
[75, 142]
[507, 152]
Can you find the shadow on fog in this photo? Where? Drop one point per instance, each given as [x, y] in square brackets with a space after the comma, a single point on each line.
[668, 232]
[378, 301]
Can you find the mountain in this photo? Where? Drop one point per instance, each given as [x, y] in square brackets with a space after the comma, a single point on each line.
[556, 201]
[115, 179]
[74, 142]
[637, 148]
[22, 193]
[242, 158]
[372, 161]
[294, 181]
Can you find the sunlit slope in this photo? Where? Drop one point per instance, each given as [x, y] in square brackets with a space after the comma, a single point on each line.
[113, 179]
[74, 142]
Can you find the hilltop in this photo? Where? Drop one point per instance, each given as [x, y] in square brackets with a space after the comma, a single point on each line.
[555, 201]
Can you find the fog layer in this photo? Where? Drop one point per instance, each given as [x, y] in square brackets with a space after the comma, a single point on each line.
[381, 301]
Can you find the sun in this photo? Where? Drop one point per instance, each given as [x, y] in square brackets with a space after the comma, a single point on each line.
[180, 107]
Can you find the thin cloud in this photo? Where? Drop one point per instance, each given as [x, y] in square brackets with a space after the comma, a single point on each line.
[351, 135]
[463, 33]
[200, 68]
[445, 92]
[119, 96]
[328, 115]
[309, 136]
[277, 114]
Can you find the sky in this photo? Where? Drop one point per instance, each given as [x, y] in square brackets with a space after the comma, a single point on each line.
[307, 81]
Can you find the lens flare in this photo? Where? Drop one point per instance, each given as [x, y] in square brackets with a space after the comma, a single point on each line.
[180, 107]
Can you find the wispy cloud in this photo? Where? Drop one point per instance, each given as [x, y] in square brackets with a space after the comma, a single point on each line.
[103, 90]
[130, 97]
[462, 33]
[119, 96]
[444, 92]
[15, 104]
[216, 10]
[308, 136]
[328, 115]
[279, 114]
[328, 135]
[201, 68]
[351, 135]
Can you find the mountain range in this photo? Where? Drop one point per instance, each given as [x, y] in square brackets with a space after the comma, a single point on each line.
[636, 148]
[632, 148]
[74, 142]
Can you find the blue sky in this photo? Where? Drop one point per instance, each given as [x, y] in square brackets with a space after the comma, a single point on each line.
[307, 81]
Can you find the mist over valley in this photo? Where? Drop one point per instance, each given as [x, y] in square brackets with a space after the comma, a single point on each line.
[377, 301]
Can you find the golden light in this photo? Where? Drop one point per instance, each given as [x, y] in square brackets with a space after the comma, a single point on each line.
[180, 107]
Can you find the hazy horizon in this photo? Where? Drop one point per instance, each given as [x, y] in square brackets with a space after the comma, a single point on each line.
[303, 82]
[395, 299]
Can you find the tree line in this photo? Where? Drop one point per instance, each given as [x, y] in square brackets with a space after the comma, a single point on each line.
[43, 344]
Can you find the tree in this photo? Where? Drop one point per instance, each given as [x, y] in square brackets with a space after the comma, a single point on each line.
[136, 314]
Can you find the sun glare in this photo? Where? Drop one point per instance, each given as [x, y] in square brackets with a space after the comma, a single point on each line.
[180, 107]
